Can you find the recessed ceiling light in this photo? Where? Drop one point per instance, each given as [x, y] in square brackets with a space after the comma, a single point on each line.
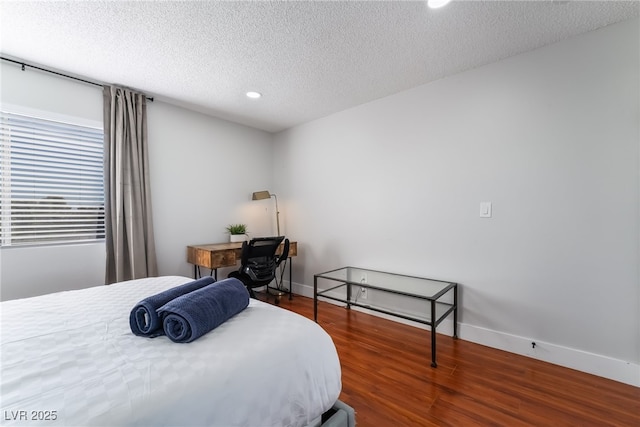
[436, 4]
[254, 95]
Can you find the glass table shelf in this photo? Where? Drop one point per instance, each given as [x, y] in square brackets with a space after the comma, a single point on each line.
[441, 296]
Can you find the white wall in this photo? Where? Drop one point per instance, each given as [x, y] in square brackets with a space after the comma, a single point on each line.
[203, 171]
[551, 138]
[34, 271]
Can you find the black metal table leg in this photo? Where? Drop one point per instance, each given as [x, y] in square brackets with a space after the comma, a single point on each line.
[433, 334]
[455, 311]
[315, 299]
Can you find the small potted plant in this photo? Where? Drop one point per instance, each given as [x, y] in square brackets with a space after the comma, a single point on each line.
[237, 232]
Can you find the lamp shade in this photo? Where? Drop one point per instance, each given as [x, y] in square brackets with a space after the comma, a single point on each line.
[261, 195]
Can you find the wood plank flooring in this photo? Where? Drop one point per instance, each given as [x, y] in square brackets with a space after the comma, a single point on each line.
[387, 378]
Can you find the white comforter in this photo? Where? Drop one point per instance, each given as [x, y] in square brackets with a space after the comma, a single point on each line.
[70, 359]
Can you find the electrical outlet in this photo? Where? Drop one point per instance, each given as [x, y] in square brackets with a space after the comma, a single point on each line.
[364, 293]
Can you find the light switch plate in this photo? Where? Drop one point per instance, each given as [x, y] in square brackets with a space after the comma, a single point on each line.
[485, 209]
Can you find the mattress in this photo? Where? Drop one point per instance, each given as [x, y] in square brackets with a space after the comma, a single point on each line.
[70, 359]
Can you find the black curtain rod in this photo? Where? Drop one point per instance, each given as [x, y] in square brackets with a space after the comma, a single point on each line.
[24, 64]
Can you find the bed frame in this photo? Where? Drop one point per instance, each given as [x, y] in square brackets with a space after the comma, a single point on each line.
[341, 415]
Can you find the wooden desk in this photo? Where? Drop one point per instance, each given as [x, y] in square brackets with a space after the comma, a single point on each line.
[218, 255]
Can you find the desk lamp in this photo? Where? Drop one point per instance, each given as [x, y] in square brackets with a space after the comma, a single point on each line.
[262, 195]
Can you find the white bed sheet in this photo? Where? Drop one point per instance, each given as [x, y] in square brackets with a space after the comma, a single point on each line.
[73, 354]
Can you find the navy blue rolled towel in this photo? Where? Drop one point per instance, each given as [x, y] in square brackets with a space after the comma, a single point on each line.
[190, 316]
[144, 319]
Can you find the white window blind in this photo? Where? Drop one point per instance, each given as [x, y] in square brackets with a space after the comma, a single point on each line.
[51, 178]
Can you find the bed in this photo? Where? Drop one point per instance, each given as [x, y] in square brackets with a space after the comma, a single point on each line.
[71, 359]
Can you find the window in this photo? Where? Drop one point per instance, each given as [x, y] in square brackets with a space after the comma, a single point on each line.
[51, 182]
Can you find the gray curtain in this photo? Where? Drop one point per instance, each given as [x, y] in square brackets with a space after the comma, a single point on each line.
[129, 229]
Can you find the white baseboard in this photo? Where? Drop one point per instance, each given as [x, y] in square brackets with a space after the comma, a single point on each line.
[596, 364]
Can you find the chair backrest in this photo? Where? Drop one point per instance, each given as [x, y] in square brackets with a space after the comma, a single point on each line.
[259, 259]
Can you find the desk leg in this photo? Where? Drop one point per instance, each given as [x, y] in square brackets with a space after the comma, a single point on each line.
[433, 334]
[348, 296]
[197, 274]
[290, 278]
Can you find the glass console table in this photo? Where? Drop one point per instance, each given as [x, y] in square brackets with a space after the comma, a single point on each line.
[442, 296]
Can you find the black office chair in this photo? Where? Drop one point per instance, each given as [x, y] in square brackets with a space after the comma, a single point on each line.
[259, 262]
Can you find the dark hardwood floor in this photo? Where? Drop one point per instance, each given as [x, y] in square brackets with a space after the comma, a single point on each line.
[387, 378]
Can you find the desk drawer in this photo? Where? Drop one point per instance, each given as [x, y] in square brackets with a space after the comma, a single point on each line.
[210, 259]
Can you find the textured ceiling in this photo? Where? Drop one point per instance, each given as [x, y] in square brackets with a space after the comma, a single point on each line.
[308, 59]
